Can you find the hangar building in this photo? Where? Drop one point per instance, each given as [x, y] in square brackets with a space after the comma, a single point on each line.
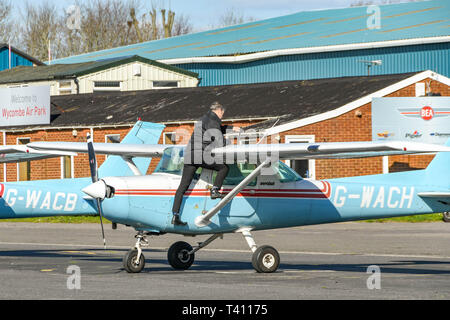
[18, 58]
[387, 39]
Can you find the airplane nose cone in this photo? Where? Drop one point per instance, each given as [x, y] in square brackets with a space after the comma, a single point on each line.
[96, 190]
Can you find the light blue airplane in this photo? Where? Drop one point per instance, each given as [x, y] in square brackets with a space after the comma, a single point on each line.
[262, 192]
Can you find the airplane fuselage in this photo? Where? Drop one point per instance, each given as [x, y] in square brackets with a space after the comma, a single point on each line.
[145, 202]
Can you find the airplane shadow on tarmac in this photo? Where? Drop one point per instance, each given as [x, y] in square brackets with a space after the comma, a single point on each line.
[114, 257]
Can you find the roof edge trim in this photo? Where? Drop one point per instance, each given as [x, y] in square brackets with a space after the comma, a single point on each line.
[292, 51]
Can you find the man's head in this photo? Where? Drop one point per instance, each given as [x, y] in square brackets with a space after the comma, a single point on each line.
[218, 109]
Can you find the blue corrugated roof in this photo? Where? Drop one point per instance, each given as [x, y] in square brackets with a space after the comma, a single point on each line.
[301, 30]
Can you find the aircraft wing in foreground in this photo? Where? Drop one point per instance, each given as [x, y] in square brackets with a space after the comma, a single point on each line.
[324, 150]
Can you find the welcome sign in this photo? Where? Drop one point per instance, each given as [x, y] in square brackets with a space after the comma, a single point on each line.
[24, 106]
[422, 119]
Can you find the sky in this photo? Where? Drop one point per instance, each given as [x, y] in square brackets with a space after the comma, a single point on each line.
[205, 13]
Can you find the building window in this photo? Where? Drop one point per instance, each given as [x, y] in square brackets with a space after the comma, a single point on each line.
[170, 138]
[112, 138]
[165, 84]
[107, 85]
[65, 87]
[66, 167]
[23, 168]
[305, 168]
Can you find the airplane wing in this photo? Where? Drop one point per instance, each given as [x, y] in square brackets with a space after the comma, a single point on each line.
[324, 150]
[119, 149]
[288, 151]
[21, 153]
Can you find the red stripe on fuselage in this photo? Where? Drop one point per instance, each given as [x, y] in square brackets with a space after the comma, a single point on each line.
[263, 193]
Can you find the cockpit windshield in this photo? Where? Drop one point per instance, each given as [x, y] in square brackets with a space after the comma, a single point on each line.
[172, 162]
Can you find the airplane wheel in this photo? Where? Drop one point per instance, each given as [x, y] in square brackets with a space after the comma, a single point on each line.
[130, 262]
[446, 216]
[266, 259]
[179, 257]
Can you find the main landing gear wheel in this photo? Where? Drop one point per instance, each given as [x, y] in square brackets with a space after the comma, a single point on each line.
[446, 216]
[265, 259]
[179, 255]
[131, 262]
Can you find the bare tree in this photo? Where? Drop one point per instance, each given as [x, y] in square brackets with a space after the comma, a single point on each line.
[104, 24]
[182, 25]
[40, 30]
[232, 17]
[6, 26]
[170, 24]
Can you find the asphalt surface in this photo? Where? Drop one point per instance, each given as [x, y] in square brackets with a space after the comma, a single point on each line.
[317, 262]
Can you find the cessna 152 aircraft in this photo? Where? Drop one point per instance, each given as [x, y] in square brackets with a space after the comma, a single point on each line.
[266, 194]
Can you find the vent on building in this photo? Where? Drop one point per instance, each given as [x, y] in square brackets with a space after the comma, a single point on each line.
[107, 85]
[165, 84]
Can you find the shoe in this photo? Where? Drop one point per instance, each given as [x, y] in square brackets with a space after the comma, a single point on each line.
[215, 194]
[177, 221]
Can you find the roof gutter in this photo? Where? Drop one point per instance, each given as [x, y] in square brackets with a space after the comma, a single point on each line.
[285, 52]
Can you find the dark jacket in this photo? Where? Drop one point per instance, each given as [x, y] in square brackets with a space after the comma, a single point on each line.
[208, 134]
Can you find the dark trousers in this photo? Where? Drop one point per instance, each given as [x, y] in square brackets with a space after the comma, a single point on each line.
[188, 175]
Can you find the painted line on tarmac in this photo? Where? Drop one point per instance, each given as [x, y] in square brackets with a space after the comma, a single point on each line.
[414, 256]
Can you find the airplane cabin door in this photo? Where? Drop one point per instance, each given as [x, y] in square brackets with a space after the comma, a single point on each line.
[245, 204]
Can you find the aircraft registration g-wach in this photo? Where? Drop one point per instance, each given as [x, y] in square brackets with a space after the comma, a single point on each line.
[279, 198]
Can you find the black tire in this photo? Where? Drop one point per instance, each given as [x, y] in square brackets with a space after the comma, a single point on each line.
[265, 259]
[130, 264]
[446, 216]
[179, 257]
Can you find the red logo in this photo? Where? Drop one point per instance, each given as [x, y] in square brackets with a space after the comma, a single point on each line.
[427, 113]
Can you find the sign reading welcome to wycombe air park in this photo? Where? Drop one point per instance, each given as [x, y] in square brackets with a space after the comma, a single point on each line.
[422, 119]
[24, 106]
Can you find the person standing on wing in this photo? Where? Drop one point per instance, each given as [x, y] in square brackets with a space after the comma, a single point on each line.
[208, 134]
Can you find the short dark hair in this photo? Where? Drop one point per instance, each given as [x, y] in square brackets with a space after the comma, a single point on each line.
[216, 105]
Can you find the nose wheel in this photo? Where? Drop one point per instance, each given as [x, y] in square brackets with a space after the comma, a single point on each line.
[134, 260]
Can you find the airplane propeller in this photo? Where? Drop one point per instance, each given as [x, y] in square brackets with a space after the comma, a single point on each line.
[94, 176]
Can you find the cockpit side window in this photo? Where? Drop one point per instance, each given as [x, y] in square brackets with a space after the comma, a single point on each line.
[172, 162]
[237, 173]
[286, 174]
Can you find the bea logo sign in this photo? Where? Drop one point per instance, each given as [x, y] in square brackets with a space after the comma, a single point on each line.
[427, 113]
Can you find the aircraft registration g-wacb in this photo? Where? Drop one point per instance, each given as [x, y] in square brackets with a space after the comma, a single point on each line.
[266, 194]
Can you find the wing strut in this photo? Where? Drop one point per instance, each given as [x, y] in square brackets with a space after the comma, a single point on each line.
[204, 220]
